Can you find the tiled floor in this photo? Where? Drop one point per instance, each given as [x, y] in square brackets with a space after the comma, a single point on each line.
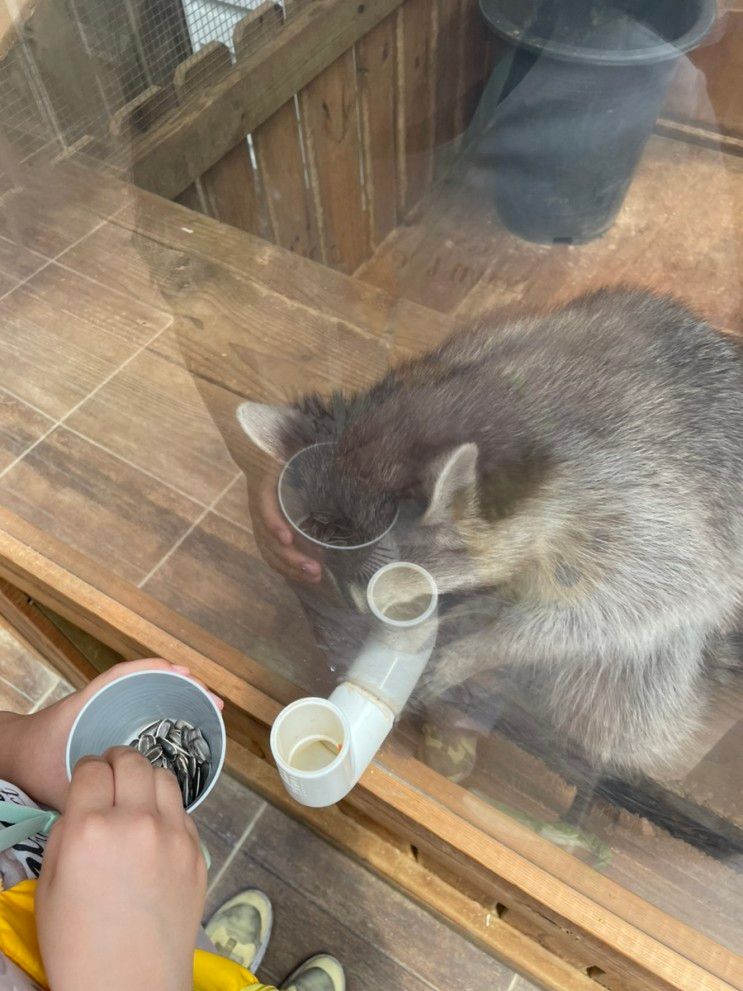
[26, 682]
[322, 900]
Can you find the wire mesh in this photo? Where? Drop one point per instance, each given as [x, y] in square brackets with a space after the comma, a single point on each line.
[69, 67]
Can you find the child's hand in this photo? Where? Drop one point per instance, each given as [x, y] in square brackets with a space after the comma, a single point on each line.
[123, 884]
[39, 741]
[274, 537]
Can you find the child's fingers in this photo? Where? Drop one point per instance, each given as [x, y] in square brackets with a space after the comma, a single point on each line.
[270, 511]
[168, 795]
[92, 787]
[134, 779]
[290, 564]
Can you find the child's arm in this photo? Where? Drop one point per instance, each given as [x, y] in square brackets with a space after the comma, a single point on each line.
[10, 731]
[32, 748]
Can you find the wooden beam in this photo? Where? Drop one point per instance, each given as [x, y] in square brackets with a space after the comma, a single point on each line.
[471, 853]
[22, 614]
[128, 620]
[396, 862]
[707, 137]
[196, 135]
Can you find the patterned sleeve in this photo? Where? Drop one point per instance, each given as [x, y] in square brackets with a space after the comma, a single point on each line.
[21, 862]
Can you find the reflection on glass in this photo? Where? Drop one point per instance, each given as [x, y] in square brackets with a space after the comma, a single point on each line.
[201, 287]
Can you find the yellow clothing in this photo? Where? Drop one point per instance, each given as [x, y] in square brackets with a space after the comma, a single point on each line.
[19, 944]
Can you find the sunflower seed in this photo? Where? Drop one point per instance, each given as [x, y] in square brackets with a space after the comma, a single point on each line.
[145, 743]
[181, 748]
[201, 750]
[172, 749]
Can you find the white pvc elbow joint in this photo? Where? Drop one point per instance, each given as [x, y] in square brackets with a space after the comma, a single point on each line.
[323, 746]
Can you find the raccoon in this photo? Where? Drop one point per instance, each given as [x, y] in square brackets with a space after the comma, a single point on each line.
[579, 475]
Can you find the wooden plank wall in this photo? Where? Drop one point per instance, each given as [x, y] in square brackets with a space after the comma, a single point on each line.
[332, 171]
[705, 99]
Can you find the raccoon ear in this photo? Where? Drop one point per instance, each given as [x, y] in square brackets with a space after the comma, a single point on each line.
[449, 475]
[274, 429]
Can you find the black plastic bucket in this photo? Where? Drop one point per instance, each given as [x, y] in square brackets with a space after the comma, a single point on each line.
[571, 103]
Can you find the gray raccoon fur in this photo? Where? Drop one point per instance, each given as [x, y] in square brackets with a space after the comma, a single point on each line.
[581, 474]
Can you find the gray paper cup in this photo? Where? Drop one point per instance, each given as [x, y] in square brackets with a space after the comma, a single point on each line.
[119, 712]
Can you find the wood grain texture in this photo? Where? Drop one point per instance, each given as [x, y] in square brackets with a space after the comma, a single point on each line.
[171, 156]
[450, 56]
[22, 667]
[113, 256]
[61, 335]
[17, 262]
[330, 124]
[53, 41]
[42, 222]
[705, 136]
[229, 186]
[194, 285]
[24, 616]
[234, 503]
[712, 98]
[20, 427]
[231, 190]
[88, 594]
[417, 39]
[94, 653]
[367, 963]
[25, 566]
[389, 854]
[370, 909]
[667, 238]
[475, 64]
[444, 248]
[377, 88]
[282, 171]
[217, 579]
[11, 700]
[152, 414]
[141, 113]
[193, 198]
[298, 279]
[716, 781]
[229, 811]
[257, 28]
[515, 880]
[91, 499]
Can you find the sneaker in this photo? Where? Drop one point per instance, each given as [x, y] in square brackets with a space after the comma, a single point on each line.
[450, 752]
[241, 928]
[320, 973]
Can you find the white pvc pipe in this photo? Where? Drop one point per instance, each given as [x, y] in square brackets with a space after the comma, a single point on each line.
[323, 746]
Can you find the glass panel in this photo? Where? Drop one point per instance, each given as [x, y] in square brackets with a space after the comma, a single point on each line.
[228, 249]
